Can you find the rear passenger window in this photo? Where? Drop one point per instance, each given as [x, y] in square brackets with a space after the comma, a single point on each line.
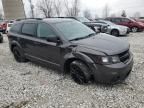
[16, 28]
[44, 31]
[29, 29]
[116, 20]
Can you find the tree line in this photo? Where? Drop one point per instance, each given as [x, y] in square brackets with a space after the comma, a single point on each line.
[57, 8]
[51, 8]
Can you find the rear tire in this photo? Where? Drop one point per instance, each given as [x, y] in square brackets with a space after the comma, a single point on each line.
[18, 55]
[115, 32]
[79, 72]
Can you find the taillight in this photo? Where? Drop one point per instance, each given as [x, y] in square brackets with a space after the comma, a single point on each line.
[4, 25]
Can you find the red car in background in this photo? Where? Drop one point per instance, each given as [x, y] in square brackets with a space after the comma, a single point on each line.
[3, 26]
[141, 19]
[135, 26]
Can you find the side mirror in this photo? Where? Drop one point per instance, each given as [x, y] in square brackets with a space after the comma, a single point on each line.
[53, 39]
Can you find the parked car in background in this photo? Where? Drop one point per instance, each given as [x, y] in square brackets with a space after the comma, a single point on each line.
[9, 24]
[114, 29]
[1, 38]
[141, 19]
[101, 27]
[93, 25]
[3, 26]
[72, 47]
[132, 24]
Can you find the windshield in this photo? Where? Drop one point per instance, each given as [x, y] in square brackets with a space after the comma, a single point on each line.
[74, 30]
[83, 19]
[132, 20]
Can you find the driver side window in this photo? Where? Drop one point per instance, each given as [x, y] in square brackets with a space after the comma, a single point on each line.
[44, 31]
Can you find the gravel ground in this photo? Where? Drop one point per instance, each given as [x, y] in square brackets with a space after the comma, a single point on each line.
[28, 85]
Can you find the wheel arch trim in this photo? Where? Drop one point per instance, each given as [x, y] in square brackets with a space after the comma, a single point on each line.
[14, 43]
[78, 56]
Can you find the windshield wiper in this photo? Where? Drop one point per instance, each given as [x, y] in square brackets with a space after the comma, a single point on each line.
[75, 39]
[79, 38]
[90, 35]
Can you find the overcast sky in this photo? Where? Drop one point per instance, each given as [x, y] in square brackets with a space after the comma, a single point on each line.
[116, 6]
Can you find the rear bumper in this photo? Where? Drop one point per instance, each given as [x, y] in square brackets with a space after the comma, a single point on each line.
[2, 30]
[112, 73]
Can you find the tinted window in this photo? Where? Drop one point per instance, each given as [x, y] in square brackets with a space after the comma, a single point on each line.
[29, 29]
[45, 31]
[116, 20]
[16, 28]
[73, 29]
[125, 20]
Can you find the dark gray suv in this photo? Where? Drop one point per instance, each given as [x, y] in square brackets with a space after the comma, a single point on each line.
[72, 47]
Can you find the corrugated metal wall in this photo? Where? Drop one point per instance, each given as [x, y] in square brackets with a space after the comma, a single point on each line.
[13, 9]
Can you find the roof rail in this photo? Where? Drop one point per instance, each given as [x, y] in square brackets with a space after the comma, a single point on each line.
[28, 18]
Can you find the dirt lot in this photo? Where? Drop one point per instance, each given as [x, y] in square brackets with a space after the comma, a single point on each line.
[28, 85]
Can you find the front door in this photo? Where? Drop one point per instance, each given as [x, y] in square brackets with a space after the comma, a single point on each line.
[47, 51]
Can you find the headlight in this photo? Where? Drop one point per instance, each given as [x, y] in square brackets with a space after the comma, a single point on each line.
[110, 60]
[106, 60]
[109, 27]
[115, 59]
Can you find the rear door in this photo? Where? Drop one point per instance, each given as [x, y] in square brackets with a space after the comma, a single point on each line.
[126, 22]
[15, 33]
[116, 21]
[28, 37]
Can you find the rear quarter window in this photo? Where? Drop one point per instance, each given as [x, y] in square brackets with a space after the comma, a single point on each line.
[29, 29]
[16, 28]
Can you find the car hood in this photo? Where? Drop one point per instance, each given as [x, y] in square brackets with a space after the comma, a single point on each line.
[105, 43]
